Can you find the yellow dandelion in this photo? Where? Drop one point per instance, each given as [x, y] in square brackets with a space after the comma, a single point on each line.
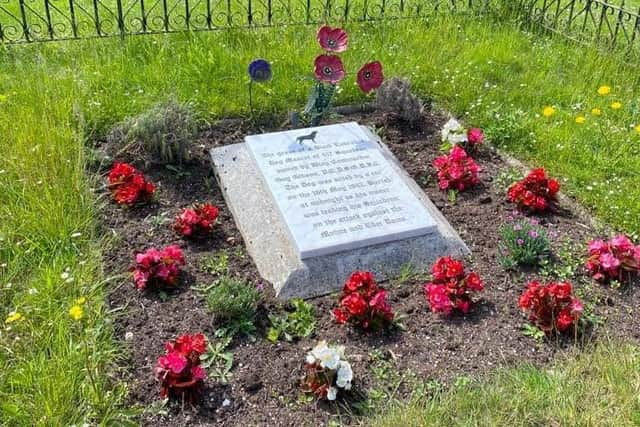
[80, 301]
[548, 111]
[580, 120]
[14, 316]
[596, 111]
[637, 128]
[76, 312]
[616, 105]
[604, 90]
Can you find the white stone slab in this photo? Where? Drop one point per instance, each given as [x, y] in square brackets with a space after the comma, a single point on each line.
[337, 191]
[271, 247]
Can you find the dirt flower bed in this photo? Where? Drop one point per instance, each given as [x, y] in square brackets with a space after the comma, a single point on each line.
[263, 389]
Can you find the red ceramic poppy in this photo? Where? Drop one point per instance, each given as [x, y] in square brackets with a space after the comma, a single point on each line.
[370, 76]
[333, 39]
[329, 68]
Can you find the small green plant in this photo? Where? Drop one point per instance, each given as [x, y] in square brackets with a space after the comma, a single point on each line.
[569, 262]
[533, 332]
[300, 323]
[217, 361]
[507, 177]
[165, 132]
[159, 220]
[233, 299]
[218, 264]
[523, 242]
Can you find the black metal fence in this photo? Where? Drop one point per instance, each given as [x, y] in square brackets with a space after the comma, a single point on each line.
[597, 21]
[44, 20]
[23, 21]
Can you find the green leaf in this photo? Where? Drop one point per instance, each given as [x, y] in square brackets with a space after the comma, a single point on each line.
[312, 100]
[273, 334]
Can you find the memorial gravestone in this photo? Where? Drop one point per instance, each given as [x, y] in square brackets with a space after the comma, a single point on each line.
[315, 204]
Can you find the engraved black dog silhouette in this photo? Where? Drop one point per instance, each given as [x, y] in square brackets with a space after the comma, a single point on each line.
[310, 137]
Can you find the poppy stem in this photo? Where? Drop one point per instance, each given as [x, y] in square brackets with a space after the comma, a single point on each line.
[251, 96]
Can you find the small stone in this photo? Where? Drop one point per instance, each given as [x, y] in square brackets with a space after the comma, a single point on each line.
[226, 403]
[128, 336]
[253, 384]
[403, 293]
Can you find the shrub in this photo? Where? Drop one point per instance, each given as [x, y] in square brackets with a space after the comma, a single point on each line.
[394, 96]
[551, 307]
[179, 371]
[165, 132]
[300, 323]
[363, 303]
[326, 371]
[197, 221]
[456, 171]
[234, 300]
[451, 288]
[523, 242]
[128, 185]
[611, 260]
[158, 268]
[535, 192]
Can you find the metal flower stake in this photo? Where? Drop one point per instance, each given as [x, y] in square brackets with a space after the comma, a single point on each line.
[329, 71]
[259, 72]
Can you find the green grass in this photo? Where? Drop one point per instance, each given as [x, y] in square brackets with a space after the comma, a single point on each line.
[44, 203]
[56, 97]
[593, 388]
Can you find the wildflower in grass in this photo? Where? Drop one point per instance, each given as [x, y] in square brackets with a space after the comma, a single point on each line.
[329, 69]
[548, 111]
[637, 128]
[604, 90]
[179, 371]
[616, 105]
[551, 307]
[332, 39]
[370, 76]
[451, 288]
[326, 371]
[14, 316]
[76, 312]
[580, 119]
[596, 112]
[80, 301]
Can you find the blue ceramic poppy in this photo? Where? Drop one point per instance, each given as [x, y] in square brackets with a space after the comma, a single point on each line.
[260, 71]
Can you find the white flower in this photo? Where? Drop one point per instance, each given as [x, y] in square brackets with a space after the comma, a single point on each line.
[310, 359]
[332, 393]
[453, 132]
[328, 357]
[345, 375]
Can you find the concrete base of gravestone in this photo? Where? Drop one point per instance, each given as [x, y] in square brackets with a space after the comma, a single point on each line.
[269, 243]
